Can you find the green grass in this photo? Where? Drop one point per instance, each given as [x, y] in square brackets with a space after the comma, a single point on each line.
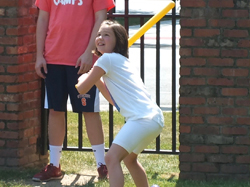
[161, 169]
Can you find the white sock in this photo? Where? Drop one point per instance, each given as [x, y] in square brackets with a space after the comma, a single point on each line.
[55, 154]
[99, 153]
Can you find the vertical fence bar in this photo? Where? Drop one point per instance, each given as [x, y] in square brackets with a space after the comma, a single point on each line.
[111, 124]
[80, 130]
[65, 142]
[142, 44]
[158, 147]
[174, 79]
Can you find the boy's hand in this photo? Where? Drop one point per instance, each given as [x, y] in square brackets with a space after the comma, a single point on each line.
[41, 67]
[85, 62]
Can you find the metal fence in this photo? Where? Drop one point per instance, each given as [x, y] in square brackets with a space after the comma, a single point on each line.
[125, 17]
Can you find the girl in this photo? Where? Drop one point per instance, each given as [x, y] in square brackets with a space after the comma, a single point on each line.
[124, 89]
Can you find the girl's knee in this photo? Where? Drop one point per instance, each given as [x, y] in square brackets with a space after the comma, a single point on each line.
[130, 160]
[109, 158]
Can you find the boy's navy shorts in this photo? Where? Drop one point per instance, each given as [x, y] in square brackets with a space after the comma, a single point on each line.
[60, 83]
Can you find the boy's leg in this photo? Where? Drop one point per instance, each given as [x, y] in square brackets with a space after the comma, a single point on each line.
[95, 134]
[136, 170]
[56, 98]
[113, 160]
[88, 104]
[56, 131]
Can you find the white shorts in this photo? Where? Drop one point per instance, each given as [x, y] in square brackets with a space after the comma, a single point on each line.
[136, 135]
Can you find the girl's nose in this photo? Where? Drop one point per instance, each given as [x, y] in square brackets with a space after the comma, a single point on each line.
[99, 37]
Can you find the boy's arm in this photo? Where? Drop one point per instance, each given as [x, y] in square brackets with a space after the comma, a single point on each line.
[41, 31]
[85, 61]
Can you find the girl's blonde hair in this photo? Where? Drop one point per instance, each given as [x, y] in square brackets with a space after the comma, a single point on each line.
[121, 36]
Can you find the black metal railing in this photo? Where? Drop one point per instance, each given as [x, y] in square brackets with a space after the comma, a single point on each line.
[126, 16]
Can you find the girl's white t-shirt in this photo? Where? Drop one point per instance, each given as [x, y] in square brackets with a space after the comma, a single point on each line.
[127, 89]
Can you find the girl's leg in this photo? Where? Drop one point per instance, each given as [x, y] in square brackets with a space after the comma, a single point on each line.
[136, 170]
[113, 160]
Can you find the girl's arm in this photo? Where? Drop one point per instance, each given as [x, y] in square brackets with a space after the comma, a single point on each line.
[87, 80]
[102, 88]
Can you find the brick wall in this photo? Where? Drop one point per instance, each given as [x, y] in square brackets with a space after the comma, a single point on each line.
[215, 89]
[19, 86]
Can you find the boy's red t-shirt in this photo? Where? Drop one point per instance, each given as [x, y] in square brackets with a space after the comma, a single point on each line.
[70, 26]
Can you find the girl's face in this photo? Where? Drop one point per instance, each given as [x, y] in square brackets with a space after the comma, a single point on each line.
[105, 40]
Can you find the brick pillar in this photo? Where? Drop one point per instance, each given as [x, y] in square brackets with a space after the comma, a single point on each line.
[214, 89]
[20, 90]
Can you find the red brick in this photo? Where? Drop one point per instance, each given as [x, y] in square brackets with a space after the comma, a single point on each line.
[243, 102]
[206, 110]
[206, 71]
[243, 81]
[221, 3]
[192, 61]
[9, 3]
[2, 107]
[206, 52]
[186, 13]
[234, 130]
[184, 110]
[185, 42]
[235, 111]
[235, 72]
[235, 13]
[220, 120]
[193, 3]
[234, 91]
[185, 71]
[244, 43]
[205, 167]
[185, 32]
[192, 81]
[234, 149]
[187, 157]
[8, 22]
[185, 52]
[17, 88]
[243, 159]
[242, 140]
[220, 81]
[12, 107]
[184, 148]
[191, 120]
[185, 166]
[243, 23]
[206, 130]
[206, 149]
[235, 33]
[8, 78]
[8, 135]
[193, 22]
[206, 32]
[8, 40]
[184, 129]
[220, 158]
[227, 23]
[192, 101]
[243, 120]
